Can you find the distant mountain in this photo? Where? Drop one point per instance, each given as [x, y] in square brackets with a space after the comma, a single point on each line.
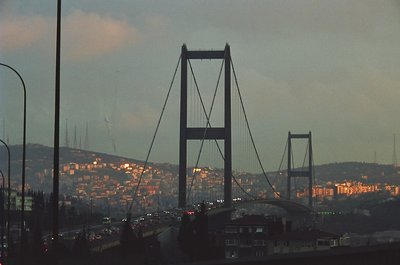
[39, 157]
[367, 172]
[42, 153]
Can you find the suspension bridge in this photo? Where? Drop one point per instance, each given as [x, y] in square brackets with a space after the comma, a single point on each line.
[212, 136]
[213, 142]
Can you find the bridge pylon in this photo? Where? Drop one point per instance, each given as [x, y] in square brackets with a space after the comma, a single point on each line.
[200, 133]
[303, 173]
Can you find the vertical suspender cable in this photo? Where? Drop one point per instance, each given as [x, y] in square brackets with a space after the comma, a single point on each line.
[251, 135]
[208, 124]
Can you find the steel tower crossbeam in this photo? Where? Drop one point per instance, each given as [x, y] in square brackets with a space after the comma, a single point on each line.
[200, 133]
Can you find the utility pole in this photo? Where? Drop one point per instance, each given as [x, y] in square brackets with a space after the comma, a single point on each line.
[66, 133]
[86, 143]
[4, 128]
[56, 158]
[394, 152]
[75, 140]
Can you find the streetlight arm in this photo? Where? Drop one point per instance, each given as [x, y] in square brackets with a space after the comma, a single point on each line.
[9, 192]
[2, 215]
[19, 76]
[23, 162]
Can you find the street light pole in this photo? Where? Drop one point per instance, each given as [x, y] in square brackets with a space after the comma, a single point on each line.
[2, 215]
[23, 164]
[144, 205]
[56, 158]
[9, 192]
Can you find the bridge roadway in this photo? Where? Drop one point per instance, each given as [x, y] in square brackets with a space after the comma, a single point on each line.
[291, 207]
[112, 240]
[108, 236]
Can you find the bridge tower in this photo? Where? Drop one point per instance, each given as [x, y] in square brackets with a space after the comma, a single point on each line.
[308, 173]
[199, 133]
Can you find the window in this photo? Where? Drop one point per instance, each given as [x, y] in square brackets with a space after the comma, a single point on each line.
[231, 254]
[231, 242]
[245, 229]
[323, 243]
[260, 253]
[245, 242]
[230, 229]
[258, 242]
[259, 229]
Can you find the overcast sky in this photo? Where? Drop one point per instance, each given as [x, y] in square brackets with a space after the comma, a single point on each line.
[330, 67]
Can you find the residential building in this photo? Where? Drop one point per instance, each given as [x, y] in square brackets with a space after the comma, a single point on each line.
[247, 236]
[258, 236]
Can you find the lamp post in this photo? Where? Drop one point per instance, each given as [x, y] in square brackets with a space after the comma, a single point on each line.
[2, 215]
[23, 163]
[56, 155]
[9, 192]
[144, 205]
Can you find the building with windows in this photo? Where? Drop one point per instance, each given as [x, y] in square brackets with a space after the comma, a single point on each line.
[258, 236]
[301, 241]
[247, 236]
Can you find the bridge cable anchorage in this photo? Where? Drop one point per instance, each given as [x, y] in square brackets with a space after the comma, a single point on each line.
[251, 135]
[154, 136]
[208, 116]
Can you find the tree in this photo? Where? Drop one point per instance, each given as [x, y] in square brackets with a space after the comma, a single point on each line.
[63, 214]
[186, 236]
[128, 237]
[81, 246]
[200, 227]
[37, 243]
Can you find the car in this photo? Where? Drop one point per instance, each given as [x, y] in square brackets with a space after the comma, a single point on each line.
[106, 220]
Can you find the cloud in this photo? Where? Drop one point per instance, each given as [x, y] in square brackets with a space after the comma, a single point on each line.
[88, 35]
[84, 34]
[18, 32]
[156, 25]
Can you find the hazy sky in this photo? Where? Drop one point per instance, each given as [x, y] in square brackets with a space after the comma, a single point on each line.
[330, 67]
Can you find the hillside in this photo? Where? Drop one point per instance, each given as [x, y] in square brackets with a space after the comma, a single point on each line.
[39, 157]
[367, 172]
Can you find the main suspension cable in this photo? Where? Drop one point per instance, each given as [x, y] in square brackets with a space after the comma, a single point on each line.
[305, 155]
[208, 125]
[251, 135]
[313, 178]
[242, 189]
[280, 164]
[154, 136]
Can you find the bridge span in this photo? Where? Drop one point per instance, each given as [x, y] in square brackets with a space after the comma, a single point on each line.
[290, 206]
